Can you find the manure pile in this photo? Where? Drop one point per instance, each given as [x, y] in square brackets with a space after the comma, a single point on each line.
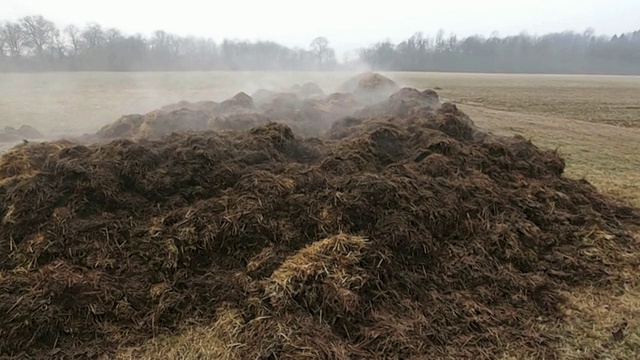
[304, 108]
[25, 132]
[403, 232]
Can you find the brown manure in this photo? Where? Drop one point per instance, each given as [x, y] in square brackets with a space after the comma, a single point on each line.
[242, 121]
[154, 125]
[304, 108]
[395, 237]
[311, 90]
[370, 87]
[206, 106]
[262, 96]
[307, 91]
[24, 132]
[239, 103]
[126, 126]
[404, 102]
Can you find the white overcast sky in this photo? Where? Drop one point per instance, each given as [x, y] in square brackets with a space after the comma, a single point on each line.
[346, 23]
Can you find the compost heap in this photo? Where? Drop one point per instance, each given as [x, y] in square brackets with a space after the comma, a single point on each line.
[405, 232]
[304, 108]
[24, 132]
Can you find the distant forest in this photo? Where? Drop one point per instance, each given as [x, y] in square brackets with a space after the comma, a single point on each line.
[34, 43]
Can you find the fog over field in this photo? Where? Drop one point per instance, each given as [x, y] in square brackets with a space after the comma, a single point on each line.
[72, 103]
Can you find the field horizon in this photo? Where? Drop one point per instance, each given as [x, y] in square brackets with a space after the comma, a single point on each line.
[71, 103]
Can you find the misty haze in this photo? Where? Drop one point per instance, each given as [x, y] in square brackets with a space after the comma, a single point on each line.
[342, 180]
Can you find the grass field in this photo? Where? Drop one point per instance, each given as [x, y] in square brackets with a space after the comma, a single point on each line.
[600, 99]
[593, 121]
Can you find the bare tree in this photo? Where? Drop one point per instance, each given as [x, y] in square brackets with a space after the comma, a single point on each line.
[111, 35]
[93, 36]
[39, 33]
[164, 43]
[3, 42]
[319, 46]
[13, 38]
[441, 44]
[323, 53]
[34, 43]
[73, 33]
[165, 48]
[58, 47]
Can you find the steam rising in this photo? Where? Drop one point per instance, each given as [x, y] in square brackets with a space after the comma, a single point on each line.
[78, 108]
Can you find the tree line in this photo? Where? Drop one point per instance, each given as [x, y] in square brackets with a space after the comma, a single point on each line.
[565, 52]
[34, 43]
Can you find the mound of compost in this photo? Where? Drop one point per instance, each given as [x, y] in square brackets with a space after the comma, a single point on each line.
[209, 107]
[304, 108]
[307, 115]
[308, 90]
[407, 236]
[11, 134]
[155, 125]
[370, 87]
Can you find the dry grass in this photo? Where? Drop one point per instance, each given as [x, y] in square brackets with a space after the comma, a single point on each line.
[599, 324]
[202, 342]
[602, 324]
[600, 99]
[564, 112]
[605, 155]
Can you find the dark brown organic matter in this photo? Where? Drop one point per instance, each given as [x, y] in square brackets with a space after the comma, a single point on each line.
[370, 87]
[10, 134]
[405, 233]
